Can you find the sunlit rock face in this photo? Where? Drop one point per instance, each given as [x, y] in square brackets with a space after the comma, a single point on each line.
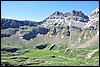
[94, 13]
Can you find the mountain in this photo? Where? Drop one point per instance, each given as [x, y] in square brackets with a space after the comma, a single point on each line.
[59, 37]
[56, 24]
[77, 16]
[10, 27]
[94, 19]
[73, 15]
[95, 13]
[10, 23]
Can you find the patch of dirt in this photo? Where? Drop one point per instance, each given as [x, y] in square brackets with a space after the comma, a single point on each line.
[88, 43]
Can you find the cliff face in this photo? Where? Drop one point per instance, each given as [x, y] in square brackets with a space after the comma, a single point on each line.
[72, 27]
[73, 15]
[94, 14]
[10, 23]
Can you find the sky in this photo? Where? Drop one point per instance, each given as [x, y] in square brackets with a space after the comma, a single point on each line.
[39, 10]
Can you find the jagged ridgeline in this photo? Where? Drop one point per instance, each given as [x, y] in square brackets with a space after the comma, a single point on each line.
[62, 39]
[58, 31]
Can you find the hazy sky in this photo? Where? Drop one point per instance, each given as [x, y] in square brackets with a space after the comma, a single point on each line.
[39, 10]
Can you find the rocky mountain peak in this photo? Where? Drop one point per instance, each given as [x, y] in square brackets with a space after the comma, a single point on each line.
[57, 13]
[95, 13]
[74, 13]
[77, 16]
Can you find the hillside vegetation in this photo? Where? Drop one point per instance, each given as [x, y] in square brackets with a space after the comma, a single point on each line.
[69, 39]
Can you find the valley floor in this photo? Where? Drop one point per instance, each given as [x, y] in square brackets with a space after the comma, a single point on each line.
[30, 57]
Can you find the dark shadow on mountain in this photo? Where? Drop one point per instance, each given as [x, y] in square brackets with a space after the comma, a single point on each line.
[10, 49]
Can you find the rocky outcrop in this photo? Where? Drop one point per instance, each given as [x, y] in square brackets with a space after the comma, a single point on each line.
[73, 15]
[4, 63]
[68, 33]
[95, 13]
[35, 32]
[57, 13]
[10, 49]
[43, 30]
[56, 23]
[94, 20]
[30, 35]
[77, 16]
[54, 32]
[10, 23]
[78, 28]
[51, 46]
[41, 47]
[8, 32]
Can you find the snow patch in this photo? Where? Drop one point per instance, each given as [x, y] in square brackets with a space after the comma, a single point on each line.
[84, 37]
[79, 39]
[97, 33]
[69, 23]
[62, 36]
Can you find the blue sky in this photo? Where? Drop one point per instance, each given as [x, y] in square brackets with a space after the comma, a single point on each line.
[39, 10]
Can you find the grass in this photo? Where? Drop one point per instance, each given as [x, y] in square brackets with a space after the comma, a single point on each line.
[95, 54]
[88, 34]
[55, 57]
[82, 38]
[40, 53]
[73, 57]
